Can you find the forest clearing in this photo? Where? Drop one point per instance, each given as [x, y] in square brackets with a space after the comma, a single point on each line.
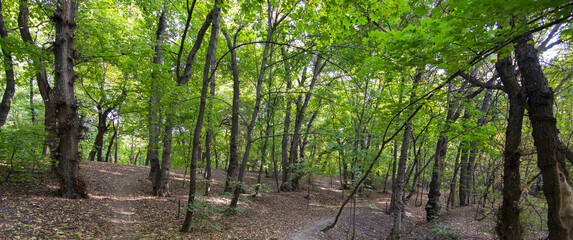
[286, 119]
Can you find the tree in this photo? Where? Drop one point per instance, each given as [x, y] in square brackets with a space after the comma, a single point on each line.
[41, 79]
[233, 143]
[398, 188]
[213, 17]
[71, 185]
[540, 100]
[9, 70]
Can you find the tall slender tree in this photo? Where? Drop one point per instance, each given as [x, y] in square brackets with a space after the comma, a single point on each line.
[9, 70]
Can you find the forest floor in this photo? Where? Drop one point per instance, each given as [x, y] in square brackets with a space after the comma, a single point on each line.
[120, 206]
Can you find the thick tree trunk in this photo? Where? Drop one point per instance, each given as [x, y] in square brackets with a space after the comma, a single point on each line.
[508, 225]
[154, 117]
[213, 17]
[546, 139]
[71, 184]
[233, 142]
[9, 70]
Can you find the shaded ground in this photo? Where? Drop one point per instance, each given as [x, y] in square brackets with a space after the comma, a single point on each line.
[121, 207]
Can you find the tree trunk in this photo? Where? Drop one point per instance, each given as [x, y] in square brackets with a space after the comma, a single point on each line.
[161, 184]
[464, 188]
[209, 139]
[233, 142]
[258, 97]
[154, 117]
[546, 139]
[451, 202]
[398, 188]
[294, 180]
[286, 125]
[9, 70]
[102, 127]
[42, 80]
[213, 17]
[111, 140]
[68, 169]
[433, 205]
[508, 225]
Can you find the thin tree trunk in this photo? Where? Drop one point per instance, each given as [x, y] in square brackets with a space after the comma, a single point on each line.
[233, 142]
[398, 189]
[294, 180]
[451, 203]
[251, 126]
[433, 206]
[112, 139]
[213, 17]
[209, 135]
[286, 126]
[42, 81]
[9, 70]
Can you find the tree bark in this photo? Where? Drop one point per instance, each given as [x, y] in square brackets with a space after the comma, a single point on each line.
[9, 70]
[102, 128]
[294, 180]
[71, 184]
[233, 143]
[258, 97]
[42, 81]
[545, 135]
[398, 189]
[213, 17]
[433, 205]
[154, 117]
[508, 225]
[286, 125]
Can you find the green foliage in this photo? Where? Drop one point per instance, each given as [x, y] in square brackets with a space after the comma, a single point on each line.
[205, 214]
[21, 152]
[534, 212]
[439, 231]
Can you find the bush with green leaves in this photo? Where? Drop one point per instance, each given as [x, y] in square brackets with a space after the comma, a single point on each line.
[21, 152]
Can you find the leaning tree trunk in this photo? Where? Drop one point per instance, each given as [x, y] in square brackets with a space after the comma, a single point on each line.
[9, 70]
[508, 225]
[212, 17]
[545, 135]
[42, 80]
[68, 169]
